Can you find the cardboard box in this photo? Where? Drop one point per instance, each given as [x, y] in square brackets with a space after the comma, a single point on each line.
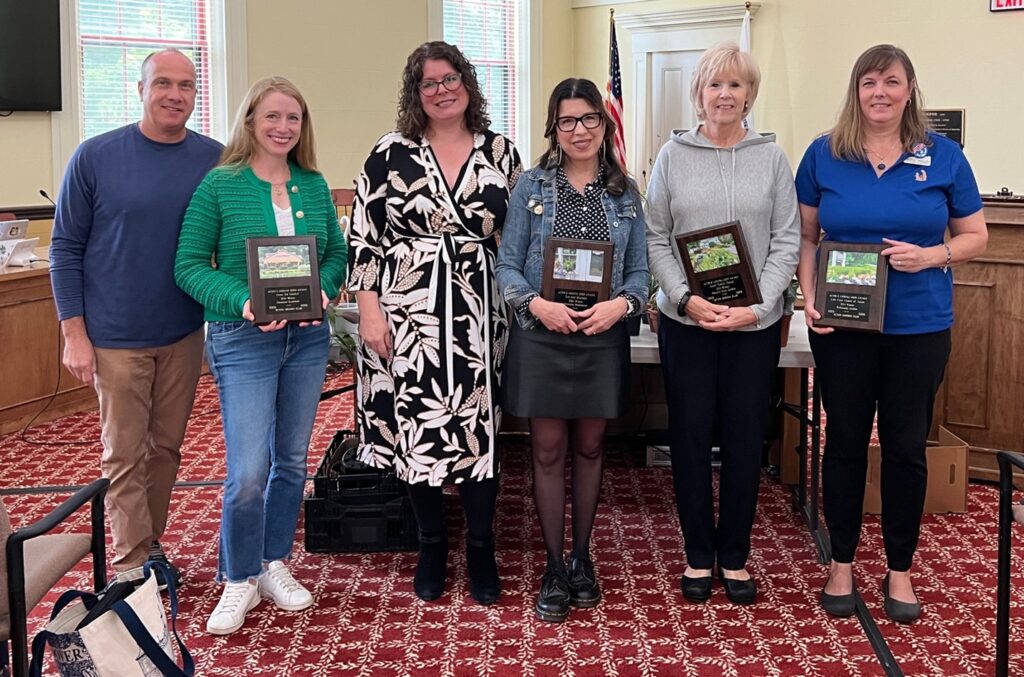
[947, 476]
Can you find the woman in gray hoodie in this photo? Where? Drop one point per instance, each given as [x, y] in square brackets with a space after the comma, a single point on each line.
[719, 359]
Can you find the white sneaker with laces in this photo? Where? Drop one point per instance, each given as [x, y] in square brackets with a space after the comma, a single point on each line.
[235, 601]
[277, 584]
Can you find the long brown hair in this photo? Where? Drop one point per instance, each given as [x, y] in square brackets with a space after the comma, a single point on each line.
[412, 120]
[580, 88]
[847, 137]
[242, 144]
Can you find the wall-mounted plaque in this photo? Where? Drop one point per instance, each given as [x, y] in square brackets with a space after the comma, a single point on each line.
[717, 265]
[851, 285]
[948, 122]
[577, 273]
[284, 278]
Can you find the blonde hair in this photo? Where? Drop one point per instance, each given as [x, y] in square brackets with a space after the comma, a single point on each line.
[722, 57]
[242, 144]
[847, 137]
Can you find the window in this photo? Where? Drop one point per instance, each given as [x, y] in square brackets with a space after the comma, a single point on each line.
[113, 38]
[489, 33]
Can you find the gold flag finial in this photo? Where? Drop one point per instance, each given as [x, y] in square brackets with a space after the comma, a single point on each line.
[611, 13]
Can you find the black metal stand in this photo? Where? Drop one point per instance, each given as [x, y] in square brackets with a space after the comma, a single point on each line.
[1007, 462]
[802, 503]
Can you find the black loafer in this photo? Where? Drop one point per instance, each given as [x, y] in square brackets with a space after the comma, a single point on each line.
[739, 592]
[553, 601]
[584, 592]
[840, 606]
[432, 567]
[901, 612]
[696, 589]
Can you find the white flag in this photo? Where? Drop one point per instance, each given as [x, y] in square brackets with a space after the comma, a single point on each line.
[748, 121]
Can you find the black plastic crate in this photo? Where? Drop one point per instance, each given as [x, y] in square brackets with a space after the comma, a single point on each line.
[356, 508]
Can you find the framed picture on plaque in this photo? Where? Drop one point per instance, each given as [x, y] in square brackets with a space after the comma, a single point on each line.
[717, 265]
[284, 278]
[851, 285]
[577, 273]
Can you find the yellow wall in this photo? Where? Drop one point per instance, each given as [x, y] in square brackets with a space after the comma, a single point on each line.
[966, 57]
[25, 159]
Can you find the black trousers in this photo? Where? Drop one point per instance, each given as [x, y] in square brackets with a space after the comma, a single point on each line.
[897, 375]
[727, 375]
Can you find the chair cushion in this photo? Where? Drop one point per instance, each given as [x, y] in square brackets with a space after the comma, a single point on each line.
[47, 559]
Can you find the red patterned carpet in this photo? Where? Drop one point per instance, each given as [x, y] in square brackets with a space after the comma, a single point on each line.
[368, 622]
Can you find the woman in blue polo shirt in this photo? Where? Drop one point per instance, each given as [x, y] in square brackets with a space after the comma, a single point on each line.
[880, 177]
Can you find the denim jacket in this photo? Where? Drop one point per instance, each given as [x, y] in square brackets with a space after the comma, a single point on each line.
[528, 225]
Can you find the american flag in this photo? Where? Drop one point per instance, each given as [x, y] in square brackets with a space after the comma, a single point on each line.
[613, 100]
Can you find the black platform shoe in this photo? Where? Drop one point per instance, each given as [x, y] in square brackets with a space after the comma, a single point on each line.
[739, 592]
[432, 567]
[901, 612]
[696, 589]
[584, 592]
[553, 601]
[484, 584]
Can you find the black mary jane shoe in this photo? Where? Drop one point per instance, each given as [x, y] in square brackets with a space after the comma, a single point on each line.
[738, 592]
[840, 606]
[482, 570]
[553, 601]
[584, 592]
[901, 612]
[432, 567]
[696, 589]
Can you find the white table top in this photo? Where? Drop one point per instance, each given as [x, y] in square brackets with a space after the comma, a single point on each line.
[795, 355]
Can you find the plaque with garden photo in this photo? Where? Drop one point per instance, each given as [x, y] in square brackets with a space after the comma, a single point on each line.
[284, 279]
[717, 265]
[850, 292]
[577, 273]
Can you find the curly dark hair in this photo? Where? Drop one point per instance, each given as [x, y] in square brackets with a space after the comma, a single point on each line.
[412, 120]
[615, 181]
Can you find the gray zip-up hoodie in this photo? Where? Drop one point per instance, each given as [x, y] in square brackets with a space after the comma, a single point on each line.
[695, 184]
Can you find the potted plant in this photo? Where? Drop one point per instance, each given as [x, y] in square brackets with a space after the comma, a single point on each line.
[788, 304]
[343, 334]
[652, 303]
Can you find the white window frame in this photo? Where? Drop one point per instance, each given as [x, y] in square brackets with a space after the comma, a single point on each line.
[229, 79]
[529, 65]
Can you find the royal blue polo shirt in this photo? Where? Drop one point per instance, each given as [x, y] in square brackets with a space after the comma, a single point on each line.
[911, 202]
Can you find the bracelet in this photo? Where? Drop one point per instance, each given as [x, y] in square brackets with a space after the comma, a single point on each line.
[949, 257]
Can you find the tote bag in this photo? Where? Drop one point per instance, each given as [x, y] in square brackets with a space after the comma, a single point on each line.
[131, 639]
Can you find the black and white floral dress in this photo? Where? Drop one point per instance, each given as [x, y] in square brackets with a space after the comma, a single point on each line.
[431, 411]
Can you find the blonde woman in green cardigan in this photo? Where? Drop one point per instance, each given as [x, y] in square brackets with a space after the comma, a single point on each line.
[269, 376]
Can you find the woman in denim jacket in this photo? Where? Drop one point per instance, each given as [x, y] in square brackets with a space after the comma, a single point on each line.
[567, 370]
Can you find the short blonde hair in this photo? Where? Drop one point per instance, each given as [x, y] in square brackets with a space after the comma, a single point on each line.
[725, 56]
[242, 144]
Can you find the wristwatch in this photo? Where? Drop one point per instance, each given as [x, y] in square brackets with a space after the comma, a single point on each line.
[683, 300]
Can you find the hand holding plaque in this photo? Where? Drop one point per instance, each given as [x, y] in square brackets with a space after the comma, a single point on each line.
[850, 292]
[717, 265]
[577, 273]
[284, 279]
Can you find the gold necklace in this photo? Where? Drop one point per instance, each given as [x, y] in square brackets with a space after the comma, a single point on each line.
[881, 158]
[277, 189]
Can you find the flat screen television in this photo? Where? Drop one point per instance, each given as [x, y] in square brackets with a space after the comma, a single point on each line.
[30, 55]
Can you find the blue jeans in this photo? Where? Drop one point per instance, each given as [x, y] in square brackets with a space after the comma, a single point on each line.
[269, 385]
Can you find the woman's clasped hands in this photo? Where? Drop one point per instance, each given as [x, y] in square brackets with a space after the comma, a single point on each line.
[594, 320]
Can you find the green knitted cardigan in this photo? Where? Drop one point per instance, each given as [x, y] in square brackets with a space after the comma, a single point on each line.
[232, 204]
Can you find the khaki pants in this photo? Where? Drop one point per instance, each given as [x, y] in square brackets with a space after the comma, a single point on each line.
[146, 396]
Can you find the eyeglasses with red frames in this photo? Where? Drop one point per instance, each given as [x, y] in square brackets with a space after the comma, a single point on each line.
[451, 82]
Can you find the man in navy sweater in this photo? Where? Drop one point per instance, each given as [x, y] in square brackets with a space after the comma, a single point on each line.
[128, 330]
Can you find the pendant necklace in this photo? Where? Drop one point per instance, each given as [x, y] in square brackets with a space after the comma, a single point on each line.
[881, 158]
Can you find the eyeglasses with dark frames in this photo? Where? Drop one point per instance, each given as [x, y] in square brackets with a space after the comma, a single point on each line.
[451, 82]
[568, 123]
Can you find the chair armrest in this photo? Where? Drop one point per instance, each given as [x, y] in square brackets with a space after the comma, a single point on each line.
[93, 491]
[1011, 457]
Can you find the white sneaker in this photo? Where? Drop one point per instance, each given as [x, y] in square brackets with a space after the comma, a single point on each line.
[235, 601]
[277, 584]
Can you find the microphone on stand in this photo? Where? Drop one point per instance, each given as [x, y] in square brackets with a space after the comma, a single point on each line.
[47, 196]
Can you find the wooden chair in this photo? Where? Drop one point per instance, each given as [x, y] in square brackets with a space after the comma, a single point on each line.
[343, 199]
[32, 561]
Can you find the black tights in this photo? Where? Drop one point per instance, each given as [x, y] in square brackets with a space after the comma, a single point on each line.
[549, 439]
[478, 499]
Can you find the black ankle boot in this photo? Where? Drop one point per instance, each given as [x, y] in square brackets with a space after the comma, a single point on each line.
[484, 584]
[428, 583]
